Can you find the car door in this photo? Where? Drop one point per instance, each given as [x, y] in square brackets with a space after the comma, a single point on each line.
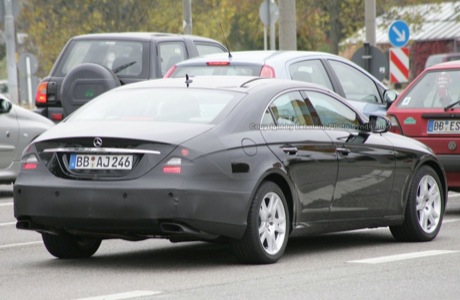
[365, 160]
[9, 134]
[307, 153]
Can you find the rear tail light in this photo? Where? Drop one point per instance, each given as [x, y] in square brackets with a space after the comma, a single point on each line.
[29, 162]
[267, 71]
[57, 116]
[41, 95]
[395, 127]
[173, 166]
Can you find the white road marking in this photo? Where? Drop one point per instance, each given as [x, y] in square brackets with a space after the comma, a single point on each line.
[450, 221]
[127, 295]
[20, 245]
[6, 204]
[384, 259]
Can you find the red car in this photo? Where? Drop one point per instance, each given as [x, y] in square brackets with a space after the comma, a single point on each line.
[429, 111]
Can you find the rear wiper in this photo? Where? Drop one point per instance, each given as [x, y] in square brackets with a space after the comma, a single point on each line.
[451, 105]
[122, 67]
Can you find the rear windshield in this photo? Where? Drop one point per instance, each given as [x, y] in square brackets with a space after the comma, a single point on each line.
[159, 105]
[436, 89]
[222, 70]
[122, 57]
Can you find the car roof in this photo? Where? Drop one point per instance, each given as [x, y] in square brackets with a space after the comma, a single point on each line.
[235, 83]
[454, 64]
[137, 36]
[257, 56]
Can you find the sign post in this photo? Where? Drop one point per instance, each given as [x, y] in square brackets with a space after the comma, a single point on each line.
[399, 34]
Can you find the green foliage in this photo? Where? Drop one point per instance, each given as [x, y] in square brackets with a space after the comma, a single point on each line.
[50, 23]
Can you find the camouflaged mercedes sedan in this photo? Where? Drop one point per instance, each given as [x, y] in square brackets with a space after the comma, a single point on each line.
[248, 161]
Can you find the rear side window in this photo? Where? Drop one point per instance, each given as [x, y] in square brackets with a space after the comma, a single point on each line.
[208, 48]
[122, 57]
[289, 110]
[170, 54]
[310, 71]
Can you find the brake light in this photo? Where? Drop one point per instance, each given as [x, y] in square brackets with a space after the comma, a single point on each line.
[56, 117]
[41, 95]
[267, 71]
[395, 127]
[170, 71]
[30, 163]
[218, 63]
[173, 166]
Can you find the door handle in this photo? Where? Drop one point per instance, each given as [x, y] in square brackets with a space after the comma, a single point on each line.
[343, 151]
[289, 149]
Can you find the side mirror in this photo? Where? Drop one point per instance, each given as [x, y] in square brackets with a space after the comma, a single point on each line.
[390, 96]
[379, 124]
[5, 106]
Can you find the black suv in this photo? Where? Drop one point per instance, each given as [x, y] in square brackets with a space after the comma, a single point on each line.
[91, 64]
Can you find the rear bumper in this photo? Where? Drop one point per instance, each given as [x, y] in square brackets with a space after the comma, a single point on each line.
[130, 209]
[55, 114]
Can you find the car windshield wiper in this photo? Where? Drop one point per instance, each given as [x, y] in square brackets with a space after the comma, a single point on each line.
[451, 105]
[122, 67]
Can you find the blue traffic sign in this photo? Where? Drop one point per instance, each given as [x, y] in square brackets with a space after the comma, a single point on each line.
[399, 33]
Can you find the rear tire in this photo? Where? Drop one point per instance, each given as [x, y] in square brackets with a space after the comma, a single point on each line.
[267, 231]
[424, 209]
[69, 246]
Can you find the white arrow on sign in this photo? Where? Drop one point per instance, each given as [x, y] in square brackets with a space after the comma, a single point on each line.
[401, 35]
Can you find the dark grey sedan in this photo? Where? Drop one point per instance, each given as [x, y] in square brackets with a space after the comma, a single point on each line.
[248, 161]
[18, 127]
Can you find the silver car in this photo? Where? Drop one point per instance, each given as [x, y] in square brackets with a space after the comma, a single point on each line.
[18, 127]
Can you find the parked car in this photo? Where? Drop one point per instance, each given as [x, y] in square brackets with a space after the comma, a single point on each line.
[341, 75]
[244, 160]
[18, 127]
[429, 111]
[440, 58]
[91, 64]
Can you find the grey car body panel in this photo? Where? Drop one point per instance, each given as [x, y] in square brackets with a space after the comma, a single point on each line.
[18, 128]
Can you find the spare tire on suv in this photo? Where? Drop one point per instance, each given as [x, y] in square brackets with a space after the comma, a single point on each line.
[92, 64]
[85, 82]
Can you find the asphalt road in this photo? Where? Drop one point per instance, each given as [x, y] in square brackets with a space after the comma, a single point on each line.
[364, 264]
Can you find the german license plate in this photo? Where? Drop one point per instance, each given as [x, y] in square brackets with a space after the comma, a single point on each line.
[100, 162]
[444, 126]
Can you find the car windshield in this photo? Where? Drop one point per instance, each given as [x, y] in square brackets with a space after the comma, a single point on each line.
[122, 57]
[159, 105]
[436, 89]
[216, 70]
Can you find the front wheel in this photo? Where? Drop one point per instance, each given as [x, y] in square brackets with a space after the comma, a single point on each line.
[69, 246]
[267, 231]
[424, 208]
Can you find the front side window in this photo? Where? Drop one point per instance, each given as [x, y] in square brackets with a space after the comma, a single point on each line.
[288, 109]
[355, 84]
[436, 89]
[330, 113]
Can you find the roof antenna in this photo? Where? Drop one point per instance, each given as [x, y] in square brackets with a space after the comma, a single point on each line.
[225, 39]
[187, 80]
